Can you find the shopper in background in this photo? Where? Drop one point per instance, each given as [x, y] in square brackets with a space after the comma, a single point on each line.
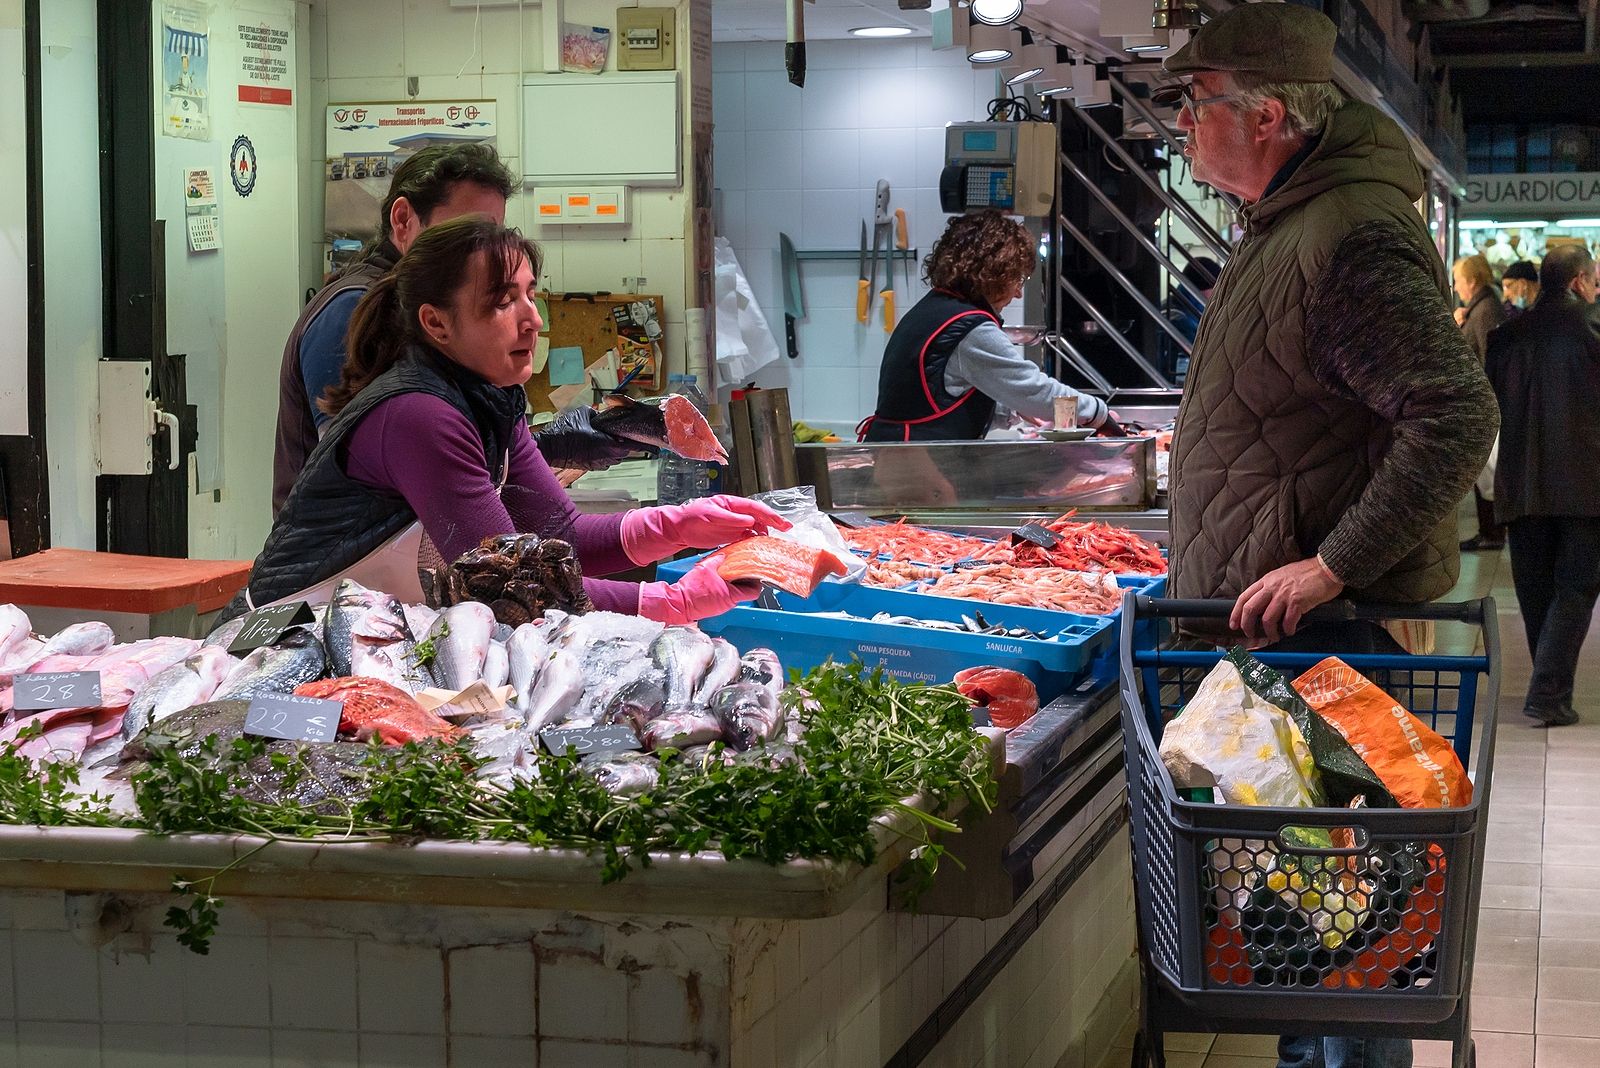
[1334, 415]
[948, 367]
[445, 342]
[1185, 311]
[1545, 367]
[1480, 312]
[1520, 287]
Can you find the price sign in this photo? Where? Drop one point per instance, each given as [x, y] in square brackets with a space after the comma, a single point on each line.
[855, 520]
[266, 625]
[299, 719]
[1040, 535]
[613, 738]
[55, 689]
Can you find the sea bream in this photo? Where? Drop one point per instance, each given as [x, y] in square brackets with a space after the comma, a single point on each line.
[461, 637]
[526, 652]
[190, 682]
[684, 654]
[625, 774]
[747, 713]
[496, 665]
[723, 671]
[762, 666]
[558, 689]
[680, 729]
[297, 657]
[15, 628]
[357, 615]
[639, 702]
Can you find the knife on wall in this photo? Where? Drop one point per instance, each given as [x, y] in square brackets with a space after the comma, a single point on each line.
[794, 299]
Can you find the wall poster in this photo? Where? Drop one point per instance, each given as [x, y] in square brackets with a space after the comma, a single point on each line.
[185, 73]
[266, 60]
[366, 142]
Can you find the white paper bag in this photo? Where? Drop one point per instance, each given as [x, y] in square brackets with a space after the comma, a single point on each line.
[744, 340]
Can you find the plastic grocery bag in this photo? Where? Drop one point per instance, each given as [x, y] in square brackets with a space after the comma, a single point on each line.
[1418, 765]
[812, 528]
[745, 343]
[1231, 738]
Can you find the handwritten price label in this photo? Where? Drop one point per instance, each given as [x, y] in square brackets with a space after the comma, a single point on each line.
[56, 689]
[299, 719]
[266, 625]
[585, 740]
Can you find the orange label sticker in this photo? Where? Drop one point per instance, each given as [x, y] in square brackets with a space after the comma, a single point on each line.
[605, 209]
[549, 209]
[578, 201]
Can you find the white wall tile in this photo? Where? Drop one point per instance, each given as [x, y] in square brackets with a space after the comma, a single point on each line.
[727, 100]
[731, 221]
[229, 986]
[402, 1051]
[656, 213]
[313, 983]
[581, 1055]
[582, 999]
[591, 263]
[124, 1045]
[440, 39]
[506, 91]
[831, 159]
[506, 50]
[401, 988]
[510, 1052]
[770, 212]
[942, 96]
[36, 910]
[660, 1009]
[229, 1047]
[56, 977]
[140, 988]
[832, 100]
[349, 89]
[57, 1045]
[891, 154]
[662, 259]
[888, 98]
[728, 159]
[832, 218]
[727, 56]
[314, 1049]
[367, 44]
[491, 992]
[951, 58]
[771, 103]
[772, 159]
[763, 55]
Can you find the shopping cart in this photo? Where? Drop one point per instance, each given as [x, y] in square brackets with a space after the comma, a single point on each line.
[1230, 939]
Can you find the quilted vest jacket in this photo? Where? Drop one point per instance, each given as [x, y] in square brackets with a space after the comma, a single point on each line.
[1265, 459]
[330, 520]
[913, 403]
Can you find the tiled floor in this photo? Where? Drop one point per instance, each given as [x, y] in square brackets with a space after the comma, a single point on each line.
[1536, 999]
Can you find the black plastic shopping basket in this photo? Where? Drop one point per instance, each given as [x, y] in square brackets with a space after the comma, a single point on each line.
[1245, 929]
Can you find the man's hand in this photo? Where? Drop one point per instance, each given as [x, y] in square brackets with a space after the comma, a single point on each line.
[1461, 316]
[1271, 608]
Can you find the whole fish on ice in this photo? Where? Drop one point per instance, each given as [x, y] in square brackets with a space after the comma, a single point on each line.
[187, 683]
[461, 637]
[496, 665]
[748, 714]
[526, 652]
[685, 655]
[557, 691]
[357, 615]
[723, 671]
[297, 657]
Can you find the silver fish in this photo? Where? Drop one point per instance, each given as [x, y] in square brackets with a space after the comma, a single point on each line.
[724, 670]
[461, 642]
[496, 665]
[609, 665]
[681, 729]
[79, 639]
[557, 691]
[502, 633]
[15, 629]
[297, 657]
[180, 686]
[526, 652]
[626, 774]
[762, 666]
[356, 615]
[419, 619]
[392, 662]
[748, 714]
[223, 636]
[685, 655]
[640, 701]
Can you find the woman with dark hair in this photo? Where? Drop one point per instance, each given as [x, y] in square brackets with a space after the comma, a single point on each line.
[430, 437]
[948, 366]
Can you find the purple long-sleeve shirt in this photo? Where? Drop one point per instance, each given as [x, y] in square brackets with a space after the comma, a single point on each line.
[420, 447]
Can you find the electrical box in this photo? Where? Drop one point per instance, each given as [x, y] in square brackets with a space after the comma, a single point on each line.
[1007, 166]
[646, 38]
[575, 205]
[605, 129]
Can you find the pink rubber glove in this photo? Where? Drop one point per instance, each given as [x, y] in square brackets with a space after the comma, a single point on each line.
[651, 534]
[700, 594]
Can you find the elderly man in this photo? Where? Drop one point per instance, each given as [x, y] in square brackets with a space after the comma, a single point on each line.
[1545, 366]
[1333, 416]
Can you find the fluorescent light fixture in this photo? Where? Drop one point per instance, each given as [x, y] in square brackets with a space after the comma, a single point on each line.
[990, 44]
[1507, 224]
[1578, 222]
[1031, 60]
[996, 12]
[882, 31]
[1155, 41]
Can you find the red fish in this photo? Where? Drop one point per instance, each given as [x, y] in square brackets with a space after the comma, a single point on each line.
[374, 707]
[1009, 696]
[779, 562]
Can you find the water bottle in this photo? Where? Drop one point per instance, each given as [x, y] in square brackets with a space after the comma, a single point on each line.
[679, 479]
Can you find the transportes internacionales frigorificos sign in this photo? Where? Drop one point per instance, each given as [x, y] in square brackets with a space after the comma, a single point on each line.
[1573, 194]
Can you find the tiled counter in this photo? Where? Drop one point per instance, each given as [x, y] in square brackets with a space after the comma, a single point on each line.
[337, 984]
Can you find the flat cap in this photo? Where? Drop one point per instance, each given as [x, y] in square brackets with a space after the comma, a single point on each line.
[1275, 42]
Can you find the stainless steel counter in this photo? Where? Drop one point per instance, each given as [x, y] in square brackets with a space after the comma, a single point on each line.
[1021, 476]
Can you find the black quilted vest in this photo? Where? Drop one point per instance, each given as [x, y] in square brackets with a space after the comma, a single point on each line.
[913, 403]
[330, 520]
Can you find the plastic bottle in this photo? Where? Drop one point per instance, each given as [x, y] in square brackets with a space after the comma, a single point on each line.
[679, 479]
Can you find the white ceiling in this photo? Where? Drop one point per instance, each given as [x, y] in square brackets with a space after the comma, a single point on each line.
[763, 20]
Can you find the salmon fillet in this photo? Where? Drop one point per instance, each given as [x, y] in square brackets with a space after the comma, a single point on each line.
[688, 433]
[1010, 696]
[778, 562]
[374, 707]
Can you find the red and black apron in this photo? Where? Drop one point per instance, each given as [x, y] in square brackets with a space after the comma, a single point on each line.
[913, 403]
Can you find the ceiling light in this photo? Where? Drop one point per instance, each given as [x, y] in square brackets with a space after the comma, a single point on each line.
[1578, 222]
[1156, 41]
[882, 31]
[1030, 61]
[990, 44]
[996, 12]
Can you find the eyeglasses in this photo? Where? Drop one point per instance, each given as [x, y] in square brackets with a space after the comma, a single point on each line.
[1184, 93]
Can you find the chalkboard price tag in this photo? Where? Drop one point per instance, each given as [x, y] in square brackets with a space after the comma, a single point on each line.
[1039, 535]
[299, 719]
[55, 689]
[608, 738]
[266, 625]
